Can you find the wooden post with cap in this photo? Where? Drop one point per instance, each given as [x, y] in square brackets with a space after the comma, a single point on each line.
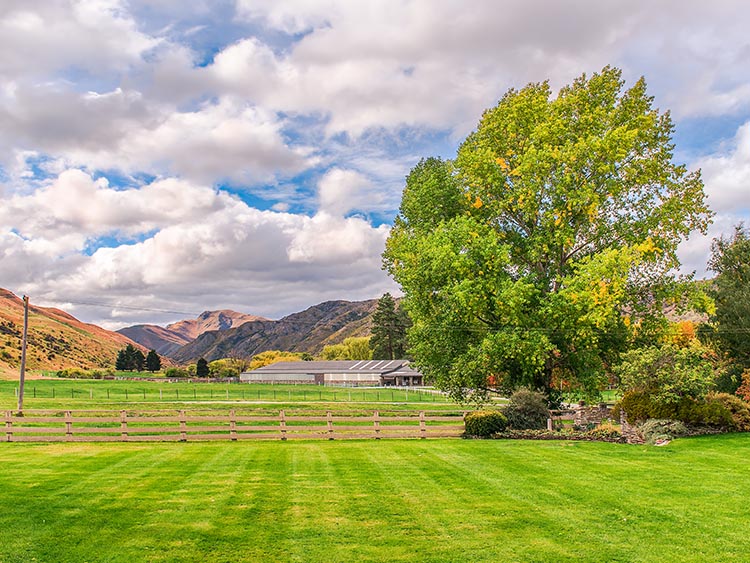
[23, 352]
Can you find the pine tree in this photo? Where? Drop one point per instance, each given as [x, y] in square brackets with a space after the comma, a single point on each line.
[153, 361]
[389, 326]
[130, 359]
[121, 363]
[201, 368]
[139, 361]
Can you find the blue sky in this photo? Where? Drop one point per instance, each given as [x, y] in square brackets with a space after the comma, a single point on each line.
[250, 154]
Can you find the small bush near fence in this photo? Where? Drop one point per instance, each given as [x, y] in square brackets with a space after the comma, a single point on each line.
[527, 410]
[483, 424]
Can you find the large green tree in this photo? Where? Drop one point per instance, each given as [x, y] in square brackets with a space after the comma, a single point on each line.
[730, 325]
[389, 325]
[546, 246]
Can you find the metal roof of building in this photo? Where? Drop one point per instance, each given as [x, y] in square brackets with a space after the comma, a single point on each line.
[380, 367]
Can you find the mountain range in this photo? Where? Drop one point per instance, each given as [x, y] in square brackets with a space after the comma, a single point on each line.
[308, 331]
[58, 340]
[168, 340]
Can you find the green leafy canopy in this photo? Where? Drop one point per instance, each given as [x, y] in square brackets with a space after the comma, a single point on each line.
[534, 257]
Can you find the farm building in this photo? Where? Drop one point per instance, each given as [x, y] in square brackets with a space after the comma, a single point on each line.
[348, 373]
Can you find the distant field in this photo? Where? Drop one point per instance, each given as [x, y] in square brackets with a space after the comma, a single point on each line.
[433, 501]
[112, 395]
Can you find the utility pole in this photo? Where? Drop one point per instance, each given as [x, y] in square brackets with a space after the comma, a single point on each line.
[23, 351]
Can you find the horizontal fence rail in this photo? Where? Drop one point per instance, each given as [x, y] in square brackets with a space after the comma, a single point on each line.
[68, 426]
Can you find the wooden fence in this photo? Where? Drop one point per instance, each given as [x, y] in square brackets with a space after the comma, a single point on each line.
[122, 427]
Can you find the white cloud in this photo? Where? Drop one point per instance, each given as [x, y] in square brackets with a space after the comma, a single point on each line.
[727, 175]
[228, 139]
[341, 191]
[202, 249]
[225, 140]
[40, 38]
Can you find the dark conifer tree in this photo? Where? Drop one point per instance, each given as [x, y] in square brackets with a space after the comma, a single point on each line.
[153, 361]
[201, 368]
[389, 325]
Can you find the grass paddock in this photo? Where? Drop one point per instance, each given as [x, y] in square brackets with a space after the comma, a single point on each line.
[439, 500]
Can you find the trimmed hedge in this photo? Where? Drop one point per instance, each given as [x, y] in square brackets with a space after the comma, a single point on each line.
[483, 424]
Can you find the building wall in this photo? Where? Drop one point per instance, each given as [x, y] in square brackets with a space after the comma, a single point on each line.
[351, 379]
[277, 378]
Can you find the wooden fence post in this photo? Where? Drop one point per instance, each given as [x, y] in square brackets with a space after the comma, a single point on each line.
[422, 427]
[183, 427]
[232, 426]
[329, 420]
[376, 424]
[282, 424]
[9, 426]
[124, 426]
[68, 426]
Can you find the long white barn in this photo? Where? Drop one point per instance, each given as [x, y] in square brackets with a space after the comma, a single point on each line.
[343, 372]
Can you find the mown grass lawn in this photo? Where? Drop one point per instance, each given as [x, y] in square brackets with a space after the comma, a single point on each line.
[434, 500]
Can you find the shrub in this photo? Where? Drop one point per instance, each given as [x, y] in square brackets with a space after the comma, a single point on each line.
[706, 412]
[77, 373]
[527, 410]
[739, 409]
[743, 391]
[605, 430]
[175, 372]
[661, 429]
[484, 424]
[640, 406]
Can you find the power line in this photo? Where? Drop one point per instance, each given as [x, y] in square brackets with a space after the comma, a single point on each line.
[130, 308]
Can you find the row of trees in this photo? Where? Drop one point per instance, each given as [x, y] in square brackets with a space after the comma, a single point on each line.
[131, 358]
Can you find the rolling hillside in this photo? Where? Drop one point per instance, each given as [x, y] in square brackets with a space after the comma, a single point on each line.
[56, 339]
[308, 331]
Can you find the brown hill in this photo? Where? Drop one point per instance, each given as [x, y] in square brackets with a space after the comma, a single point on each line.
[166, 341]
[56, 339]
[328, 323]
[211, 320]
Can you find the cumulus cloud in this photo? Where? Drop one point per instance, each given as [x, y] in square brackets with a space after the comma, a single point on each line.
[98, 36]
[200, 246]
[75, 208]
[341, 191]
[727, 174]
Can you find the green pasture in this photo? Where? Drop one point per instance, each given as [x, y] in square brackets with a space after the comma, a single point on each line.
[70, 394]
[427, 501]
